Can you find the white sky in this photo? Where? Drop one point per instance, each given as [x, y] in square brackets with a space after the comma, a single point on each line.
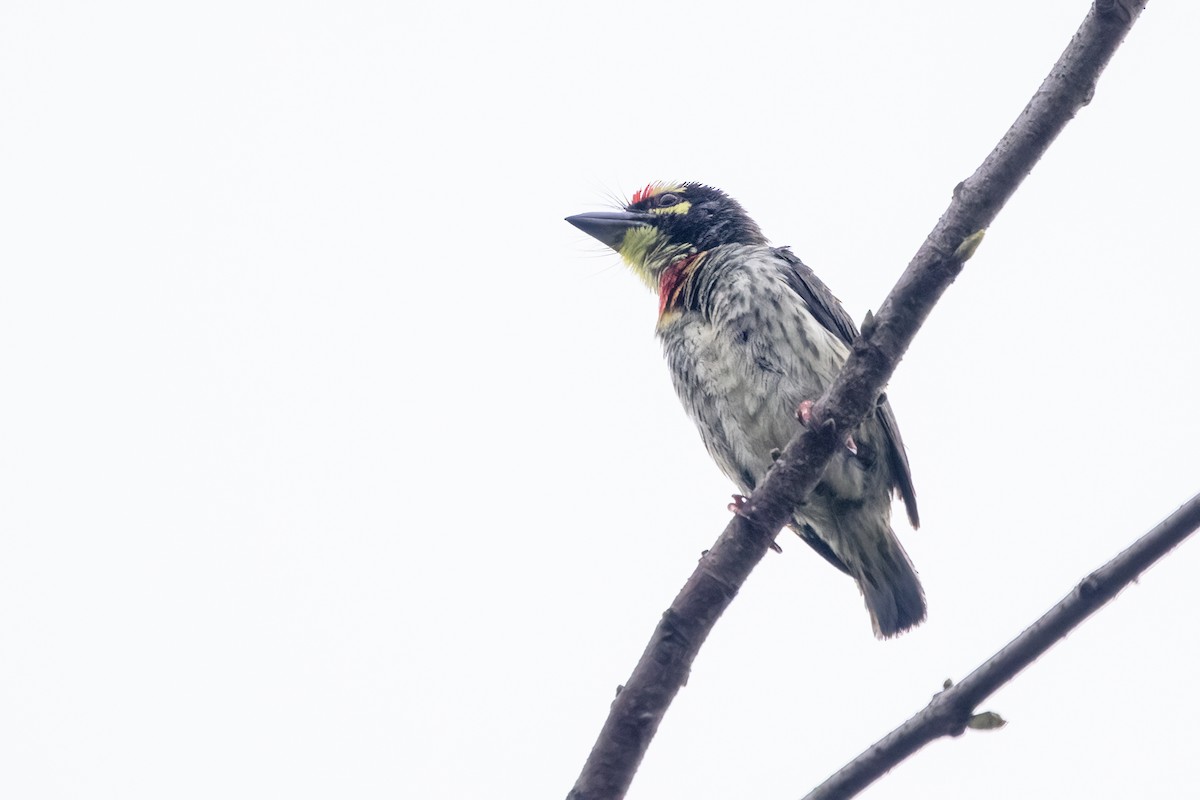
[335, 464]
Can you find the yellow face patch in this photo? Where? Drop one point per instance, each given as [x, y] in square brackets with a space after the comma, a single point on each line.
[636, 249]
[646, 249]
[653, 190]
[681, 207]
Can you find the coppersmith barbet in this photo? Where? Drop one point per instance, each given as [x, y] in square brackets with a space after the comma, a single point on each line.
[751, 337]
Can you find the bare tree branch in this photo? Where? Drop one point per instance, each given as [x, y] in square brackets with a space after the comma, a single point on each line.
[663, 668]
[948, 712]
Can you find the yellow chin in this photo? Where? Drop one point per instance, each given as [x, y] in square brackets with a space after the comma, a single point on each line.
[636, 248]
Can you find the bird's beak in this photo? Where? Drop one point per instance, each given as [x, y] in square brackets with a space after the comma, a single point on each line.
[609, 227]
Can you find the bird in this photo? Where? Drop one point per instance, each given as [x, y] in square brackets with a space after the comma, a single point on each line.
[751, 337]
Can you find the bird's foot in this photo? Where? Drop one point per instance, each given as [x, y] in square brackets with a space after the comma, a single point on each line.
[737, 506]
[804, 413]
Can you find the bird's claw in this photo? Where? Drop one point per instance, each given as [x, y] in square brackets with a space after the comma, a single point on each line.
[804, 413]
[737, 507]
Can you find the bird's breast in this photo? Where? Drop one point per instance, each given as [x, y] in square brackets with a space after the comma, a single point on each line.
[743, 351]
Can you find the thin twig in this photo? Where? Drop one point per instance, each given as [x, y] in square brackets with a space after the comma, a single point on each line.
[948, 712]
[663, 668]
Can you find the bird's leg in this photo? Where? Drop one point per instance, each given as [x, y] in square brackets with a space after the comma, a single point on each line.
[739, 502]
[804, 413]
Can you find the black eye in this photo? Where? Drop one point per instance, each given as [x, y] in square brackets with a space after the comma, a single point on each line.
[666, 200]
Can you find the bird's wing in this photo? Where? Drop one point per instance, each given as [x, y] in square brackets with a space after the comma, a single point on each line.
[829, 312]
[899, 460]
[825, 307]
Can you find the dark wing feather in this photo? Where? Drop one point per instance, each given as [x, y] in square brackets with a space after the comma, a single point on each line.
[829, 312]
[825, 307]
[899, 461]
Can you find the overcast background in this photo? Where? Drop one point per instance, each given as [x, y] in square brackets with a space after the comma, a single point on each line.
[333, 463]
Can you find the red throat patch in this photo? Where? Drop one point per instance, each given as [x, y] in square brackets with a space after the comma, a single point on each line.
[673, 281]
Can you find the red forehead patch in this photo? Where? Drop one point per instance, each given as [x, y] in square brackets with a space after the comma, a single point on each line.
[646, 193]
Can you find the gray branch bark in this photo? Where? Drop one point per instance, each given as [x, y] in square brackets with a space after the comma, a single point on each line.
[663, 668]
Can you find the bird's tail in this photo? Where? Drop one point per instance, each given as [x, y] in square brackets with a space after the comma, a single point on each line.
[874, 557]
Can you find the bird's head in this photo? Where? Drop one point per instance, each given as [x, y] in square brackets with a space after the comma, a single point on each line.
[668, 221]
